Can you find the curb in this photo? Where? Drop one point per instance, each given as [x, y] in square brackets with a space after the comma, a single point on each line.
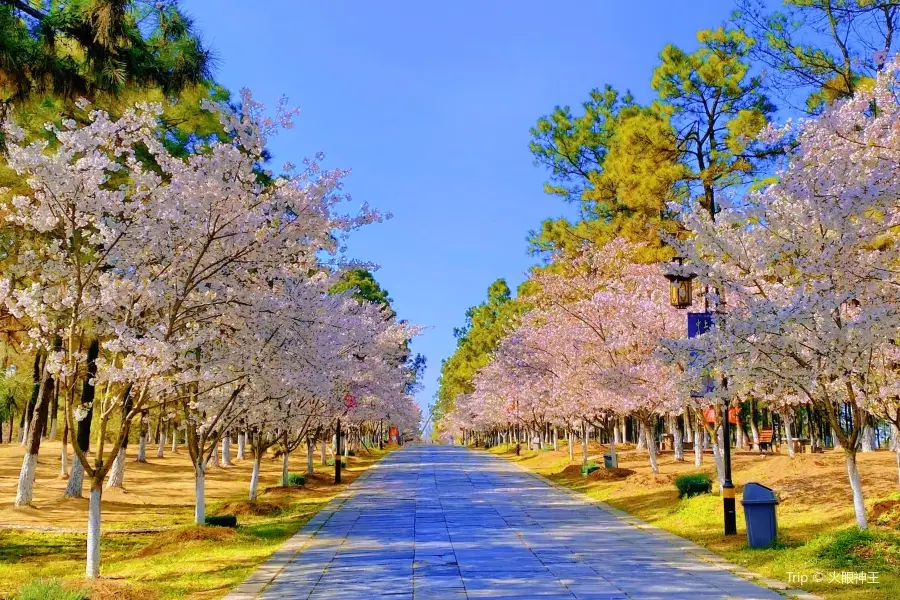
[677, 541]
[260, 579]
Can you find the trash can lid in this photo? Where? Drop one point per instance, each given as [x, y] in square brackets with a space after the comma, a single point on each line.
[755, 493]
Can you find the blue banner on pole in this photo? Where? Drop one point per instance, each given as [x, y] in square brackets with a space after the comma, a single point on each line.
[698, 324]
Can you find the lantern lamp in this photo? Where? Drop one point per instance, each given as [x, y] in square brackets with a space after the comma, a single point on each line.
[680, 287]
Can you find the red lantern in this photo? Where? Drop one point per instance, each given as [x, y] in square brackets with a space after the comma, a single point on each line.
[710, 415]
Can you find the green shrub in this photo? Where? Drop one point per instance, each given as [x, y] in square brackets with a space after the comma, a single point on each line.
[330, 463]
[222, 520]
[589, 468]
[49, 589]
[296, 480]
[548, 447]
[693, 485]
[351, 452]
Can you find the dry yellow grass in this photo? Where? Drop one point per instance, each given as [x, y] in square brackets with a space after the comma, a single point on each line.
[181, 562]
[156, 493]
[815, 516]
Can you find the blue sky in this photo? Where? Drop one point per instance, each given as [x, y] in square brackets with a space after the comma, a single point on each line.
[430, 103]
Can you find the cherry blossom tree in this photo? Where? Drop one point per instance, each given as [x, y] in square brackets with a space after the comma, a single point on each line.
[808, 266]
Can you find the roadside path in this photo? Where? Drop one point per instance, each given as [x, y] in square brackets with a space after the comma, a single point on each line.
[432, 522]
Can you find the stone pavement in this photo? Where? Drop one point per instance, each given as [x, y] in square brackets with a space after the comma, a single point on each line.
[433, 522]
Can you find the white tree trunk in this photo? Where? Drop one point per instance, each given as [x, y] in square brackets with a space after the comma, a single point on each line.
[285, 457]
[52, 435]
[698, 446]
[651, 448]
[678, 437]
[142, 449]
[612, 454]
[584, 444]
[556, 439]
[837, 440]
[161, 443]
[63, 462]
[23, 435]
[720, 464]
[92, 566]
[76, 480]
[623, 435]
[324, 453]
[242, 445]
[199, 494]
[571, 445]
[642, 437]
[859, 504]
[26, 480]
[868, 439]
[310, 451]
[897, 452]
[174, 439]
[226, 450]
[213, 458]
[616, 439]
[254, 477]
[117, 472]
[788, 434]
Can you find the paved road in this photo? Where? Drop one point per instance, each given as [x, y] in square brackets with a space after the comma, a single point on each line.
[445, 522]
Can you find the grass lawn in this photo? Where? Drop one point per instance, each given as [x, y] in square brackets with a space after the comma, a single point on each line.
[183, 562]
[815, 516]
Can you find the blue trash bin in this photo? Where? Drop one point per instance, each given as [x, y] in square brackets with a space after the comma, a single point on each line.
[759, 515]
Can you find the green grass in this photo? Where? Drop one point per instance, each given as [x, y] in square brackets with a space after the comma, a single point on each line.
[172, 565]
[49, 589]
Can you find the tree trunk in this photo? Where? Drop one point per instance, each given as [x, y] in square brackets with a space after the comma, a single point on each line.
[678, 443]
[651, 446]
[584, 444]
[324, 455]
[787, 417]
[242, 445]
[142, 448]
[117, 472]
[226, 450]
[25, 490]
[868, 437]
[754, 428]
[641, 438]
[161, 442]
[83, 437]
[174, 439]
[37, 379]
[897, 452]
[556, 439]
[310, 451]
[254, 477]
[285, 457]
[76, 480]
[859, 505]
[199, 493]
[213, 460]
[571, 445]
[698, 440]
[92, 566]
[63, 462]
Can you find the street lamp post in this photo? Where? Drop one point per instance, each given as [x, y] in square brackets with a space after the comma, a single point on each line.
[681, 296]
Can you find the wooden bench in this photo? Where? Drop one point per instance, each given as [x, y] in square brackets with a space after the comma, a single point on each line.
[765, 439]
